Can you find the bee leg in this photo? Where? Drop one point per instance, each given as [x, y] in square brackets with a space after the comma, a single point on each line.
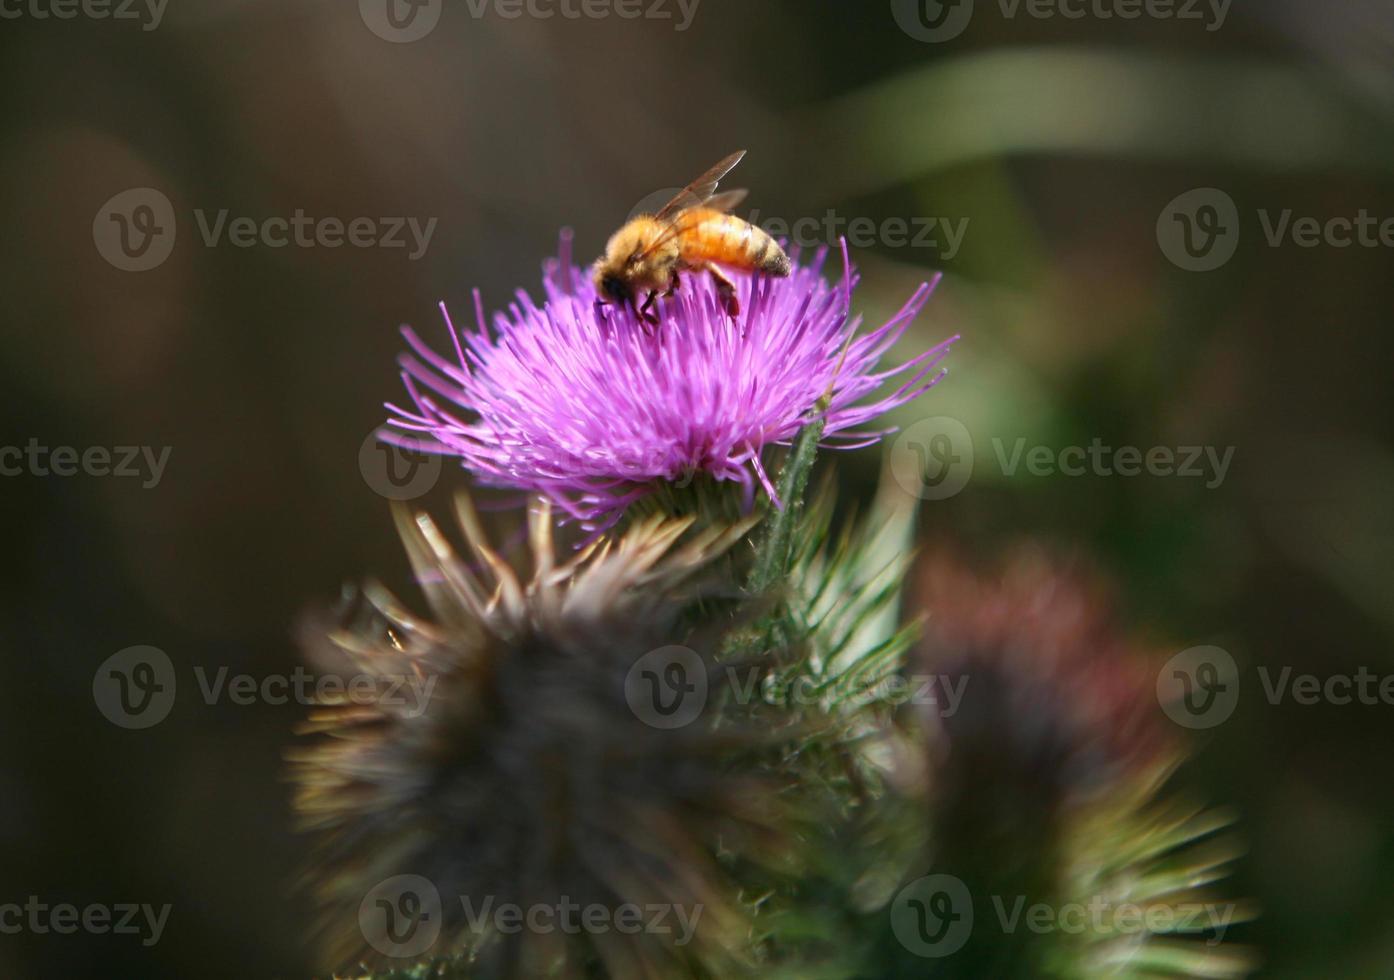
[726, 290]
[646, 311]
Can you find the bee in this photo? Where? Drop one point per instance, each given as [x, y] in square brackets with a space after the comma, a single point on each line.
[694, 232]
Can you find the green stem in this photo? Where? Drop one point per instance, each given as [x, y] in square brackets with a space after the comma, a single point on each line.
[773, 553]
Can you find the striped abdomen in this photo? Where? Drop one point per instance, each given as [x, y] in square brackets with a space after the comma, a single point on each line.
[713, 236]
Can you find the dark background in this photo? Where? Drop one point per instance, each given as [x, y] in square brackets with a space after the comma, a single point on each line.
[264, 369]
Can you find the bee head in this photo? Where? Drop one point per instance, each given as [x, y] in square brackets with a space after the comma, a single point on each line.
[612, 287]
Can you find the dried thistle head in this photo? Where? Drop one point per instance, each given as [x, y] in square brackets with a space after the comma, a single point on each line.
[1047, 795]
[1055, 694]
[531, 778]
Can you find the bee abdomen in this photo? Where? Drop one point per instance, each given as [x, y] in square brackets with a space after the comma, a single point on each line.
[728, 240]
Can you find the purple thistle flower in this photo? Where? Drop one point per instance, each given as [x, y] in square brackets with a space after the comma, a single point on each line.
[594, 409]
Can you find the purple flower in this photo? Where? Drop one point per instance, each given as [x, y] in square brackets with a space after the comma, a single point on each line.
[594, 409]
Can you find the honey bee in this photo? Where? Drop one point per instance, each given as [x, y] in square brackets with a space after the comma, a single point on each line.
[694, 232]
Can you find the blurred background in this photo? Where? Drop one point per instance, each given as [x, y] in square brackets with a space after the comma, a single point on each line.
[1038, 159]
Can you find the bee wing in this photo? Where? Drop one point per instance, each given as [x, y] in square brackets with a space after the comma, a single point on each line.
[701, 190]
[700, 193]
[726, 201]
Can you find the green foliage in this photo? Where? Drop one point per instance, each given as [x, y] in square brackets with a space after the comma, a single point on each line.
[820, 636]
